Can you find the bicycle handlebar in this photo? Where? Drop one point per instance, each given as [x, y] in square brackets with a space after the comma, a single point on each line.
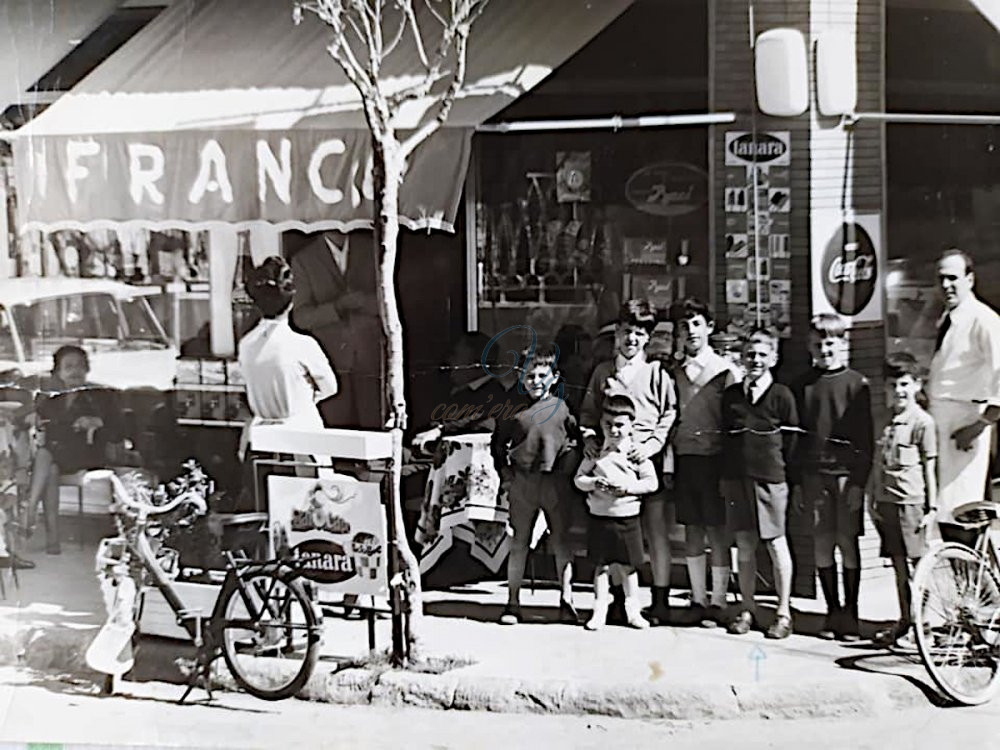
[122, 496]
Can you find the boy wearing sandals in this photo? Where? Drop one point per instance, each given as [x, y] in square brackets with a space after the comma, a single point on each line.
[755, 448]
[909, 483]
[614, 483]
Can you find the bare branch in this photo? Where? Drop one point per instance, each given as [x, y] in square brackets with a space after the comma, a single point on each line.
[407, 7]
[433, 11]
[397, 37]
[448, 99]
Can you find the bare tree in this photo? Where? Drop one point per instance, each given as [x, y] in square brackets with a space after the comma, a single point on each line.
[365, 35]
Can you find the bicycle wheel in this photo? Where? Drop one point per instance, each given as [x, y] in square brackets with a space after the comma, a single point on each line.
[956, 606]
[270, 635]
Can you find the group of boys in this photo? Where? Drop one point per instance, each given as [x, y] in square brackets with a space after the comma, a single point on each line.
[733, 441]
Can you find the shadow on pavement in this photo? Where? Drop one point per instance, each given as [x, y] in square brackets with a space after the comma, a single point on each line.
[901, 664]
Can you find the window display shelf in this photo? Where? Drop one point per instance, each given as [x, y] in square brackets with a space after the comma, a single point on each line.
[209, 422]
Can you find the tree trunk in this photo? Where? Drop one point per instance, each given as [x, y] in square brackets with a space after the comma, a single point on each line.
[388, 175]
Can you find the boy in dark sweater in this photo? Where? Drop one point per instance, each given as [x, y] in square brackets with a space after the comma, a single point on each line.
[533, 451]
[834, 461]
[753, 484]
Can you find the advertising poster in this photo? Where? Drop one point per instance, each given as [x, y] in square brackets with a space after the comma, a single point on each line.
[758, 279]
[339, 524]
[847, 265]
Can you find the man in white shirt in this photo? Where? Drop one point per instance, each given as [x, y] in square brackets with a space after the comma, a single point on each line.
[963, 385]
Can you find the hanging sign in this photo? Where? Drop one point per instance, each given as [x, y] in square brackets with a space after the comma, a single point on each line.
[667, 189]
[847, 265]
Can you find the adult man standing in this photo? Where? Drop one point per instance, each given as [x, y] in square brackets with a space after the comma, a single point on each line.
[963, 385]
[335, 302]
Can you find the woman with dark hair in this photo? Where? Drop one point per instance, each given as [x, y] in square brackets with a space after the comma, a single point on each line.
[78, 424]
[286, 373]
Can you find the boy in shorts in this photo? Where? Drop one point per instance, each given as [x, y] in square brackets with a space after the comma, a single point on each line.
[833, 465]
[697, 442]
[651, 389]
[532, 449]
[909, 482]
[614, 483]
[755, 450]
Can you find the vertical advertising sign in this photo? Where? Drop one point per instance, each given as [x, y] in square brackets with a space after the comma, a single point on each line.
[758, 278]
[337, 525]
[847, 265]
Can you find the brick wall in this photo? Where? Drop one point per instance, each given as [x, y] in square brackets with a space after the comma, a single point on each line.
[823, 151]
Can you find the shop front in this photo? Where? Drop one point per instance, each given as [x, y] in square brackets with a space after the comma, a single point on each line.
[220, 130]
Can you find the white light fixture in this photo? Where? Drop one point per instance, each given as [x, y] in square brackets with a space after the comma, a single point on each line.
[782, 72]
[836, 73]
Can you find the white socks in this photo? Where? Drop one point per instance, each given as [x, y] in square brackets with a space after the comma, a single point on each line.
[696, 574]
[720, 585]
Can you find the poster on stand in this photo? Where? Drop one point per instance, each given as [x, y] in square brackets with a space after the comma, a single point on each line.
[339, 524]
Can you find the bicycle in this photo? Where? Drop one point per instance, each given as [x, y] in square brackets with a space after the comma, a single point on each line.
[956, 609]
[264, 622]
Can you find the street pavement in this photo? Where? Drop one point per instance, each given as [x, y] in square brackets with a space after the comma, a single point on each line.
[540, 666]
[43, 708]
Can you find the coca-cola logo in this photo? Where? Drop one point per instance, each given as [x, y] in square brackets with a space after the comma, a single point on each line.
[668, 189]
[762, 149]
[325, 561]
[850, 269]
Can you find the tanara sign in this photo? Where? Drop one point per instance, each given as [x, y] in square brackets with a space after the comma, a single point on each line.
[295, 177]
[336, 527]
[743, 148]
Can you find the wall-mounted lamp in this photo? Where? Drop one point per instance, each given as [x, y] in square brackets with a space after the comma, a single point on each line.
[781, 71]
[836, 73]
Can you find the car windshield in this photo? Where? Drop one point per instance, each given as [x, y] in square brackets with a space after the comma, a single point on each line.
[47, 324]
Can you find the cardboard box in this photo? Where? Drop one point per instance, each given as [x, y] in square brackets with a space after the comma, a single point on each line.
[188, 371]
[213, 371]
[157, 617]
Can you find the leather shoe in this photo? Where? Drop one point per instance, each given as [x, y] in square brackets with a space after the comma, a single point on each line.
[742, 624]
[780, 628]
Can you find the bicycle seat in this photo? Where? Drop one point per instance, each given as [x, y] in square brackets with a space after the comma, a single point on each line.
[976, 514]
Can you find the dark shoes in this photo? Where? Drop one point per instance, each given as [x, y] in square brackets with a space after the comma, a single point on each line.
[781, 628]
[849, 628]
[714, 616]
[889, 636]
[568, 613]
[742, 625]
[511, 615]
[831, 626]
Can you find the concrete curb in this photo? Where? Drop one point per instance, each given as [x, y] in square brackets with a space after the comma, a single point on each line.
[61, 648]
[868, 695]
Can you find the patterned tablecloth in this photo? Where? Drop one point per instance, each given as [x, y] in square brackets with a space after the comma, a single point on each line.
[463, 500]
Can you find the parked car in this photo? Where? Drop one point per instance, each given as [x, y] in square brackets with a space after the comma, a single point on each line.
[111, 320]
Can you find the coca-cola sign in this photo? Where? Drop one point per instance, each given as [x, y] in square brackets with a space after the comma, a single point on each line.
[849, 269]
[763, 148]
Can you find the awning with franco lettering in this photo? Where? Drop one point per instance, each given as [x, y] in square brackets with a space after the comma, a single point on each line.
[225, 111]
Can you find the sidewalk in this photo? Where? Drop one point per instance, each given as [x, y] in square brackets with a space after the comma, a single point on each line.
[539, 666]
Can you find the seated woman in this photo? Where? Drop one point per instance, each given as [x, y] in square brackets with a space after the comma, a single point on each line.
[78, 421]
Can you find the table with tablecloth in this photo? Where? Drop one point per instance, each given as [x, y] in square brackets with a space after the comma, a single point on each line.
[463, 500]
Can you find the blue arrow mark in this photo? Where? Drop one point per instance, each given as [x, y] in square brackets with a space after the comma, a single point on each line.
[757, 655]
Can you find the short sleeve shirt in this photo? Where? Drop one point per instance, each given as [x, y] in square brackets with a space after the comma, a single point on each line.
[908, 442]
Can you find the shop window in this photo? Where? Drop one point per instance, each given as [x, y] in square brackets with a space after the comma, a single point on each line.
[568, 225]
